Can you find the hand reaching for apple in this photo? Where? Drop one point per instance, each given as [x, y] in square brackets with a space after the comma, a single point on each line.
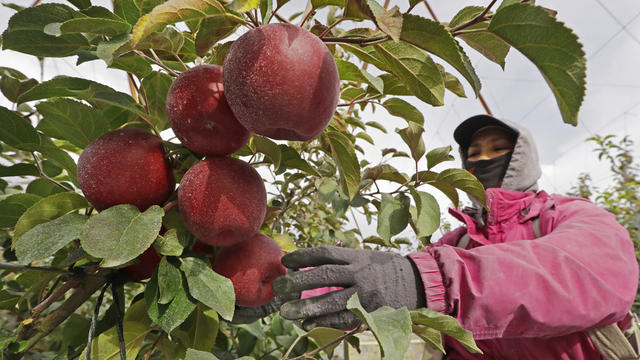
[379, 278]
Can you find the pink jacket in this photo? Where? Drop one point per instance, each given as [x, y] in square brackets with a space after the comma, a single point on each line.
[532, 298]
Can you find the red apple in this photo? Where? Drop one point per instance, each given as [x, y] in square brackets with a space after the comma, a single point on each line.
[222, 200]
[252, 266]
[146, 264]
[282, 82]
[199, 114]
[126, 166]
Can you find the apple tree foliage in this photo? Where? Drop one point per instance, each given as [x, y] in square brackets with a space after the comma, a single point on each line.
[60, 256]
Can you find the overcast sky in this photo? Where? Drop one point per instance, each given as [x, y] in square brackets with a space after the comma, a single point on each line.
[609, 31]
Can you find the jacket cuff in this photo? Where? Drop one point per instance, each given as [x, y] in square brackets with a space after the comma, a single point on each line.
[431, 279]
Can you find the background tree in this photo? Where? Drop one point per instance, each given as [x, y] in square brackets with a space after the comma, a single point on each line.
[621, 196]
[60, 256]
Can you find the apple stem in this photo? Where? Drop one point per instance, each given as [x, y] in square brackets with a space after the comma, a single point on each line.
[253, 19]
[307, 16]
[157, 62]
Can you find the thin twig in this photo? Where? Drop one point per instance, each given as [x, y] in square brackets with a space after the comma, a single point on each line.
[360, 100]
[164, 351]
[38, 309]
[147, 355]
[359, 41]
[16, 267]
[180, 61]
[478, 19]
[327, 30]
[170, 205]
[338, 340]
[253, 19]
[274, 13]
[94, 321]
[306, 17]
[45, 176]
[433, 14]
[119, 319]
[282, 19]
[157, 62]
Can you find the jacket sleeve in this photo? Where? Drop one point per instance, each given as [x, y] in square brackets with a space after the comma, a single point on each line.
[582, 274]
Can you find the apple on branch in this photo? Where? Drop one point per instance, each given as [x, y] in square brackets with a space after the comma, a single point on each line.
[222, 200]
[252, 266]
[199, 114]
[125, 166]
[282, 82]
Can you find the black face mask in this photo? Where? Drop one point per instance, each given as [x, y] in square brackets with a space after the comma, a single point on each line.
[489, 172]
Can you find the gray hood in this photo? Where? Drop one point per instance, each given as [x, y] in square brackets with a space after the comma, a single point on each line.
[524, 169]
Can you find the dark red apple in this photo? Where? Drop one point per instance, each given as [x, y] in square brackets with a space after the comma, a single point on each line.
[199, 114]
[146, 264]
[252, 266]
[282, 82]
[222, 200]
[126, 166]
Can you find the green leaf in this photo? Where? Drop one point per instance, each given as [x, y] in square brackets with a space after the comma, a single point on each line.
[133, 64]
[291, 159]
[107, 49]
[436, 39]
[446, 324]
[13, 83]
[357, 10]
[64, 86]
[389, 21]
[486, 43]
[367, 54]
[450, 179]
[8, 301]
[81, 4]
[342, 150]
[156, 86]
[438, 155]
[416, 69]
[454, 85]
[393, 86]
[47, 209]
[268, 147]
[213, 30]
[199, 355]
[393, 216]
[385, 172]
[44, 187]
[401, 108]
[203, 327]
[22, 169]
[170, 316]
[25, 32]
[71, 120]
[322, 3]
[391, 327]
[174, 11]
[244, 5]
[17, 132]
[120, 233]
[208, 287]
[169, 279]
[431, 336]
[13, 206]
[285, 242]
[169, 244]
[412, 136]
[324, 336]
[552, 47]
[122, 101]
[427, 220]
[169, 40]
[107, 344]
[98, 26]
[46, 239]
[350, 72]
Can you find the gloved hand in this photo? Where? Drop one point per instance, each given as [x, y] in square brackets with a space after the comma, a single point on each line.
[246, 315]
[379, 278]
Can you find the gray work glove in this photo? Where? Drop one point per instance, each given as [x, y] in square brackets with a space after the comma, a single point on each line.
[379, 278]
[247, 315]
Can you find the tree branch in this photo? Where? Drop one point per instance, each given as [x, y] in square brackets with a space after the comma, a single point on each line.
[359, 41]
[35, 332]
[478, 19]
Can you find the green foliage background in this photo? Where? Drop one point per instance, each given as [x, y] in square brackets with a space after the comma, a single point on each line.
[58, 252]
